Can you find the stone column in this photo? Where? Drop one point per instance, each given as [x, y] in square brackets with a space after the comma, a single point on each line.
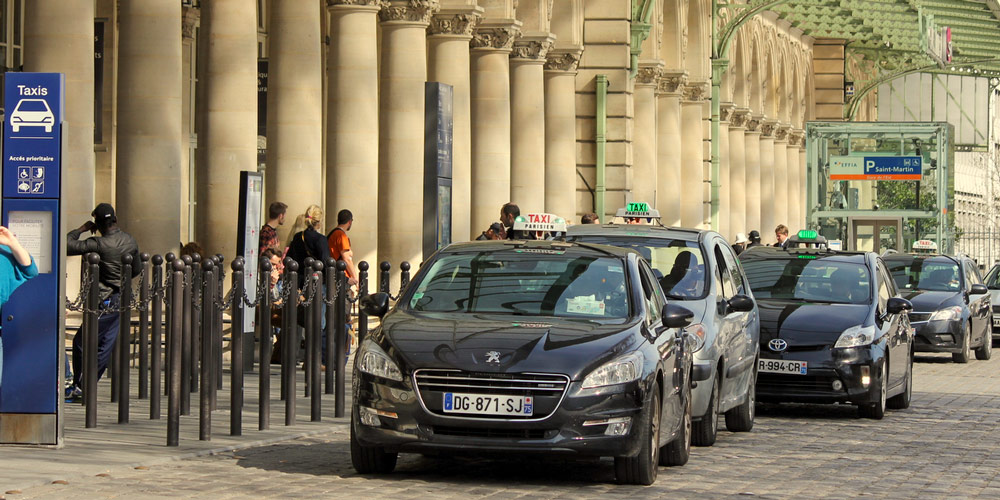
[527, 108]
[668, 147]
[150, 145]
[352, 122]
[725, 187]
[781, 175]
[294, 109]
[753, 190]
[644, 136]
[768, 217]
[560, 132]
[796, 195]
[737, 173]
[59, 38]
[401, 129]
[803, 181]
[692, 156]
[491, 163]
[448, 62]
[230, 135]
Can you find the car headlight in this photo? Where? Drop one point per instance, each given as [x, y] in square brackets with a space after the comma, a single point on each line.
[694, 335]
[856, 336]
[947, 314]
[374, 361]
[618, 371]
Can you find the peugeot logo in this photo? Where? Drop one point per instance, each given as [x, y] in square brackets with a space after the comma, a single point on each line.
[493, 357]
[778, 345]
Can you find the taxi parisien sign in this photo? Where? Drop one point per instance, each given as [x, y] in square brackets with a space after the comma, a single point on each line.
[875, 168]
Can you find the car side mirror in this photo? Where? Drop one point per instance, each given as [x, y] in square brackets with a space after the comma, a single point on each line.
[741, 303]
[979, 289]
[675, 316]
[896, 305]
[376, 304]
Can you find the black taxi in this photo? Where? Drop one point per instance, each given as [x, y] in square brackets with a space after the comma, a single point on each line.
[833, 327]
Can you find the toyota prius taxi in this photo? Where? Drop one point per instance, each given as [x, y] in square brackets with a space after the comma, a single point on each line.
[833, 328]
[526, 347]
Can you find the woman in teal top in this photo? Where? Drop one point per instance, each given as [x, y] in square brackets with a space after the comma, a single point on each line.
[16, 267]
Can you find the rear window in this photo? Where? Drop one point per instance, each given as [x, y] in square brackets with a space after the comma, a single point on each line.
[528, 281]
[678, 265]
[808, 280]
[939, 274]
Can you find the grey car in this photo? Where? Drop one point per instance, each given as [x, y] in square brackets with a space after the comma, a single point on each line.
[698, 270]
[992, 282]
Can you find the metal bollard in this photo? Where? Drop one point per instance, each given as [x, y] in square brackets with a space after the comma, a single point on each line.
[264, 327]
[307, 361]
[383, 277]
[331, 319]
[205, 398]
[90, 341]
[362, 291]
[124, 338]
[167, 315]
[156, 335]
[404, 277]
[176, 334]
[236, 365]
[217, 346]
[341, 329]
[316, 349]
[186, 336]
[288, 348]
[144, 328]
[197, 325]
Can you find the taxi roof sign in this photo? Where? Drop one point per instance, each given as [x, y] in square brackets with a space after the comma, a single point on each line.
[807, 234]
[925, 245]
[638, 209]
[539, 222]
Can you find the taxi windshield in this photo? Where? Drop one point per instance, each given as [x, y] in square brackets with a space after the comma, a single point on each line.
[809, 280]
[524, 281]
[937, 274]
[679, 265]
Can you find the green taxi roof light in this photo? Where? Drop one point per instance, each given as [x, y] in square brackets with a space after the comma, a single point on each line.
[637, 207]
[807, 256]
[807, 234]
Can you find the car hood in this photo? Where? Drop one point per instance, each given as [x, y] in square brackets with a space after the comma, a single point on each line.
[928, 301]
[536, 344]
[807, 324]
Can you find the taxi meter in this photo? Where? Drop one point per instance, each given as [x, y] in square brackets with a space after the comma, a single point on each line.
[32, 323]
[638, 210]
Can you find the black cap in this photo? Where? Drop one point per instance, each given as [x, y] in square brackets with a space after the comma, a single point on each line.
[754, 235]
[103, 213]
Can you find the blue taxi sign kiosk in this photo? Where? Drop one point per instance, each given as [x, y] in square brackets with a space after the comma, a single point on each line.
[32, 321]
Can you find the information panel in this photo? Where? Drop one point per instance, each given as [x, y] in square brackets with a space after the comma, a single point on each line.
[875, 168]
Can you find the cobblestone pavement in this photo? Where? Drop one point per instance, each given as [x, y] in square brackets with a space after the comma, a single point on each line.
[944, 445]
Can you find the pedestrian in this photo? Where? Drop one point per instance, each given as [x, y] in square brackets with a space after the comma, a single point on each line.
[16, 267]
[754, 239]
[269, 233]
[274, 290]
[590, 218]
[495, 232]
[508, 213]
[340, 244]
[111, 246]
[781, 234]
[192, 248]
[741, 243]
[310, 243]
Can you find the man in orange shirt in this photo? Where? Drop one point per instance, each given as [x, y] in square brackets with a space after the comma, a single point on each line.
[340, 244]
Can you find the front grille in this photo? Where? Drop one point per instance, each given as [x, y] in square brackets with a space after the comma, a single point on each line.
[491, 433]
[545, 389]
[916, 317]
[795, 383]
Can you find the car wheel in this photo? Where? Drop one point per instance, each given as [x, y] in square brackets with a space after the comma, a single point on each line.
[642, 468]
[986, 350]
[704, 432]
[963, 357]
[901, 401]
[876, 410]
[678, 451]
[740, 419]
[371, 459]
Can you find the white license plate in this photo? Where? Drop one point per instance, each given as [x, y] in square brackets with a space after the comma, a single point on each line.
[488, 404]
[781, 366]
[996, 322]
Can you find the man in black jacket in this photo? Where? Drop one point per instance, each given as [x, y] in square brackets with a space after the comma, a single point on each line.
[111, 245]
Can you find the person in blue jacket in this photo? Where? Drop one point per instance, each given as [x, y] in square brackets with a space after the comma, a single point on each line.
[16, 267]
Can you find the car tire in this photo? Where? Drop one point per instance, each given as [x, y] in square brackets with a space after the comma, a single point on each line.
[705, 431]
[876, 410]
[678, 451]
[986, 350]
[902, 401]
[963, 357]
[642, 468]
[740, 419]
[371, 459]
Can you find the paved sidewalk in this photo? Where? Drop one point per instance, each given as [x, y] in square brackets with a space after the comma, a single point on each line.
[142, 442]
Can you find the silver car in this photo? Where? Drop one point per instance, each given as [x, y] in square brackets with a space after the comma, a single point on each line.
[699, 270]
